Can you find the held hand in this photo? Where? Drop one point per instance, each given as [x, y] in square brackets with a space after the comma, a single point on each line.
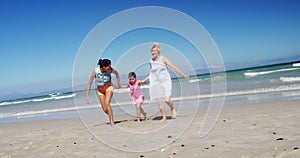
[186, 76]
[144, 81]
[119, 86]
[87, 99]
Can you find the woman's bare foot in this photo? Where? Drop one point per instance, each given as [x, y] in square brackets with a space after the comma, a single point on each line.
[163, 119]
[174, 113]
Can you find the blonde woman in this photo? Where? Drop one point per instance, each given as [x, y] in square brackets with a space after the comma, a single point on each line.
[160, 80]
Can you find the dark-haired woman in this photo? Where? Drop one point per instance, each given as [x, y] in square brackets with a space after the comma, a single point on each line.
[102, 76]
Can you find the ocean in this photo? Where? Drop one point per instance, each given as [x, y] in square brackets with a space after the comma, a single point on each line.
[250, 85]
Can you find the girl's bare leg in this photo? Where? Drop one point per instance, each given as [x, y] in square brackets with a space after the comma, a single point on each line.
[138, 112]
[144, 113]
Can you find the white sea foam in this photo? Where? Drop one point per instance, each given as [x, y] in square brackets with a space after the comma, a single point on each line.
[200, 96]
[5, 103]
[253, 74]
[42, 112]
[49, 97]
[64, 97]
[215, 78]
[42, 99]
[218, 78]
[14, 102]
[195, 80]
[290, 79]
[236, 93]
[296, 64]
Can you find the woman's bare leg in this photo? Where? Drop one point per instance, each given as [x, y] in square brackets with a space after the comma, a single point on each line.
[108, 97]
[162, 109]
[103, 104]
[173, 109]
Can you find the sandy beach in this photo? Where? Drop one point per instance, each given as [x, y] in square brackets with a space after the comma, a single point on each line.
[260, 130]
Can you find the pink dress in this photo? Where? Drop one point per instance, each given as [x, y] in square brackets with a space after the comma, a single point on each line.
[136, 93]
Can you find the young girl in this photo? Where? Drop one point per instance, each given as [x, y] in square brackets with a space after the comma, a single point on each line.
[102, 76]
[160, 80]
[136, 94]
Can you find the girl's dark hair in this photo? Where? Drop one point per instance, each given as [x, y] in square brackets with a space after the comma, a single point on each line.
[131, 74]
[104, 62]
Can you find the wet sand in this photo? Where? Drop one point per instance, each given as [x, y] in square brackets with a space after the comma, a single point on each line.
[265, 130]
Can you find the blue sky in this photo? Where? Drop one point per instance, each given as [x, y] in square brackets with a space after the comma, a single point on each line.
[40, 38]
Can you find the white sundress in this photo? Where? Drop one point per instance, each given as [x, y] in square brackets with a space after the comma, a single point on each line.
[160, 80]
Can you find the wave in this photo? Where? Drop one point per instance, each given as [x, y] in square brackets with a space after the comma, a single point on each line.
[253, 74]
[236, 93]
[195, 80]
[42, 112]
[289, 79]
[64, 97]
[296, 64]
[56, 96]
[179, 98]
[215, 78]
